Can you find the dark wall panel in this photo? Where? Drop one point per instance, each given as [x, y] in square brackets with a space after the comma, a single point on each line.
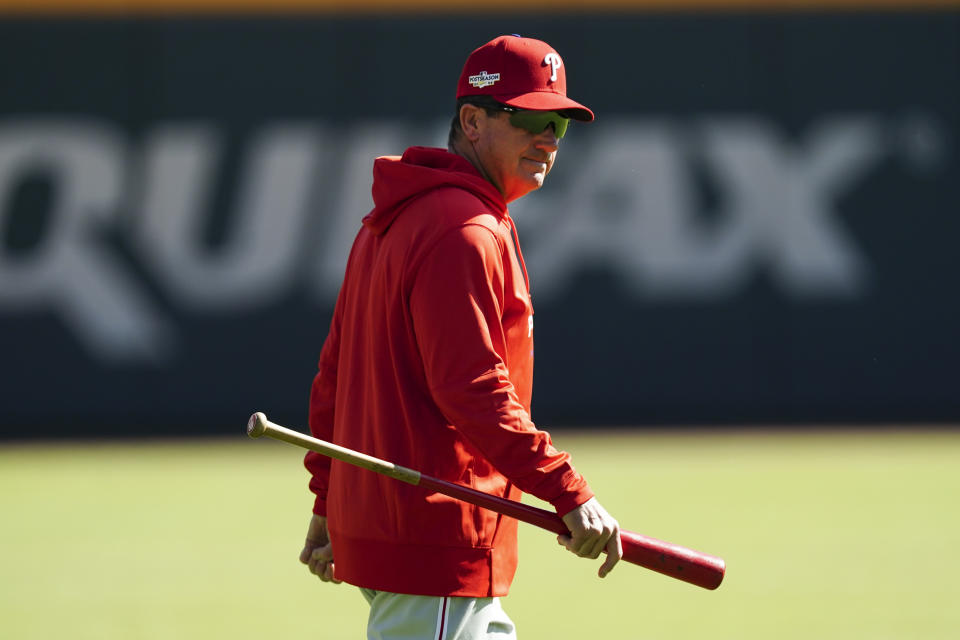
[760, 226]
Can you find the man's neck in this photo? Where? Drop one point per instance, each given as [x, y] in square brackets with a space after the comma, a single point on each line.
[464, 149]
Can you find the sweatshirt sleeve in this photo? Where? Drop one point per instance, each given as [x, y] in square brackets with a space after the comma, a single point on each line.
[456, 305]
[323, 394]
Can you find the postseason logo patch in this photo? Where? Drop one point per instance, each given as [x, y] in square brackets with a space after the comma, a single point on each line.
[483, 79]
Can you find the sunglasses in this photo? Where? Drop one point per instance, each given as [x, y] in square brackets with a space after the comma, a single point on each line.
[537, 121]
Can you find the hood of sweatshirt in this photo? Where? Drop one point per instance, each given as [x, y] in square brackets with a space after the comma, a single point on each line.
[397, 180]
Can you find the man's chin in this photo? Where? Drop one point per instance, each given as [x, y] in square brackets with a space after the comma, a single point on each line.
[527, 187]
[535, 182]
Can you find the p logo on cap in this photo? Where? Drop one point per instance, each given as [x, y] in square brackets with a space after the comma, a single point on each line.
[553, 59]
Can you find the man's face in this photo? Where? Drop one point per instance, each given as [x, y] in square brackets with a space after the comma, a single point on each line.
[516, 161]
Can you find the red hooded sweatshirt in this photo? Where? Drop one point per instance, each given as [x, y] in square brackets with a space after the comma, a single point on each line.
[428, 364]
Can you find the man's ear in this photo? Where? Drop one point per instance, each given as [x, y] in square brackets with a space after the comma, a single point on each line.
[470, 118]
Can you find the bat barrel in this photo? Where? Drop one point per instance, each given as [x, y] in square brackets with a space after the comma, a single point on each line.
[672, 560]
[700, 569]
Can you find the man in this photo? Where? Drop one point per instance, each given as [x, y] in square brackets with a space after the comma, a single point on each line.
[428, 363]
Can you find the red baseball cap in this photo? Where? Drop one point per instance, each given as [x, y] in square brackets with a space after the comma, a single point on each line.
[520, 72]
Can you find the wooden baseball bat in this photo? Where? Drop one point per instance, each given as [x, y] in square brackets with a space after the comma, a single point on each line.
[669, 559]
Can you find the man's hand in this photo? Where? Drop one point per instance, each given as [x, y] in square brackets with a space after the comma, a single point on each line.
[592, 530]
[317, 552]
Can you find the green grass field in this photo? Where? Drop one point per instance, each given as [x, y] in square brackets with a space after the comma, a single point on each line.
[849, 535]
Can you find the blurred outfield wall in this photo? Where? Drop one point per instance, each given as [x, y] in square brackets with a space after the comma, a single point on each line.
[761, 225]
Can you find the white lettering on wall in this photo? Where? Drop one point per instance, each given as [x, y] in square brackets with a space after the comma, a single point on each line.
[257, 263]
[630, 203]
[70, 272]
[777, 210]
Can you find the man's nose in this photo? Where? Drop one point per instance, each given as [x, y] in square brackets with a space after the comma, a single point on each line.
[547, 139]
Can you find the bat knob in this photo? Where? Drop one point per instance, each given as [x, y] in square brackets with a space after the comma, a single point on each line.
[256, 425]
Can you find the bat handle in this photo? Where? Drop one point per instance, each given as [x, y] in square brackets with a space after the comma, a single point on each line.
[257, 425]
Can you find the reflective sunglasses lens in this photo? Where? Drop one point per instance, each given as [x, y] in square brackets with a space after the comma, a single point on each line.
[560, 126]
[536, 121]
